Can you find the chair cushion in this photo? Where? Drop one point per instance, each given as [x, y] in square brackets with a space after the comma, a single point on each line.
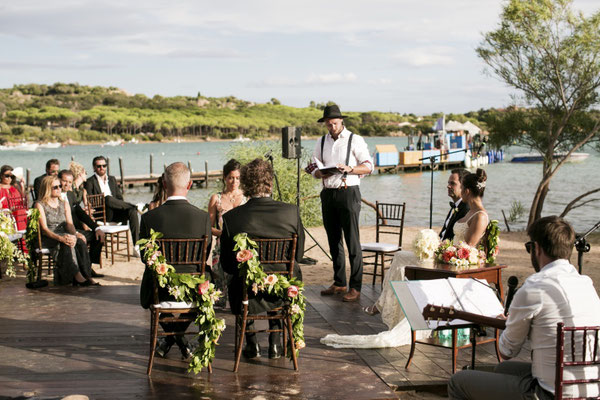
[173, 305]
[385, 247]
[14, 237]
[113, 228]
[42, 251]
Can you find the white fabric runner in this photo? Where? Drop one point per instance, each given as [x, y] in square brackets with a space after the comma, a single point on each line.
[399, 332]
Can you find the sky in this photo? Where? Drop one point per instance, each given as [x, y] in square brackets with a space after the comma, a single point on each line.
[404, 56]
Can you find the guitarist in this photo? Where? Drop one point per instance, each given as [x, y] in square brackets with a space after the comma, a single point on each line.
[554, 293]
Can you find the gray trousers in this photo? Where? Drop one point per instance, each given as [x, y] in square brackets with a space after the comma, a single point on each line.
[510, 380]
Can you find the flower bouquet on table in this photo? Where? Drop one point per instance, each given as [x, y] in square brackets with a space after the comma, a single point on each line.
[460, 255]
[425, 244]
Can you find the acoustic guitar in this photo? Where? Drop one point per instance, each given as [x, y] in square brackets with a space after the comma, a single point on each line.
[449, 313]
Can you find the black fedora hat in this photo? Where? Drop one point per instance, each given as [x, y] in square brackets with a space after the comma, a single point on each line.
[332, 111]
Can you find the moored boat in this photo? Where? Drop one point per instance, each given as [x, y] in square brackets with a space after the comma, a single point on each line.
[537, 157]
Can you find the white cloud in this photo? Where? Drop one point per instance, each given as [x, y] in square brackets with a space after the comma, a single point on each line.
[311, 80]
[426, 56]
[331, 79]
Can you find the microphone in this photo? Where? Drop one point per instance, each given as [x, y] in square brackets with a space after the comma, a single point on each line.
[268, 155]
[513, 281]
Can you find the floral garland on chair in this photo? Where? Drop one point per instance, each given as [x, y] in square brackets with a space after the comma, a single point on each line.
[290, 290]
[193, 289]
[9, 252]
[31, 241]
[493, 241]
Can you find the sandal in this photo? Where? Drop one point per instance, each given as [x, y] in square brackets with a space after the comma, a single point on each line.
[371, 310]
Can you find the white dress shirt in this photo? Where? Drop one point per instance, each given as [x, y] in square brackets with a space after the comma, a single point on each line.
[555, 294]
[103, 182]
[450, 215]
[334, 152]
[176, 198]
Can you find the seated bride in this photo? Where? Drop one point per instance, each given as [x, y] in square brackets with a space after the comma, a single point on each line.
[470, 229]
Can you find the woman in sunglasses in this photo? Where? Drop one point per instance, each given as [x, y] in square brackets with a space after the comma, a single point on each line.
[68, 247]
[8, 186]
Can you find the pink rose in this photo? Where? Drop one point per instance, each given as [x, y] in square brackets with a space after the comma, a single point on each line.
[300, 344]
[271, 279]
[244, 255]
[161, 269]
[447, 256]
[463, 253]
[292, 291]
[203, 287]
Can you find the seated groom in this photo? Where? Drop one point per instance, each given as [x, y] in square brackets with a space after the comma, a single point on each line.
[555, 293]
[176, 218]
[117, 210]
[260, 217]
[458, 208]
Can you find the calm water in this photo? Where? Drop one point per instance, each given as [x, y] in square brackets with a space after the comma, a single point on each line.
[507, 182]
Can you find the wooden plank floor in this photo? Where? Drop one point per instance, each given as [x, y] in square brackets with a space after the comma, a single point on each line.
[94, 341]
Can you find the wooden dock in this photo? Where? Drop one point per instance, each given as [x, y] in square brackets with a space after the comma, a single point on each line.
[93, 341]
[394, 169]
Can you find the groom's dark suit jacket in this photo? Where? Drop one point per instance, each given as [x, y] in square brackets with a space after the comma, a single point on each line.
[259, 218]
[175, 219]
[463, 209]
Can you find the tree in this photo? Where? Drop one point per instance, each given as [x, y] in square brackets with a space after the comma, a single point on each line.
[552, 57]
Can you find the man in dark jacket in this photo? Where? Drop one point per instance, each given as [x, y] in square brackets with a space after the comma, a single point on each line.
[176, 218]
[458, 208]
[117, 210]
[52, 168]
[260, 217]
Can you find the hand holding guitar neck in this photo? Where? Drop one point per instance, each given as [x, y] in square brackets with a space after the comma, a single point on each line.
[449, 313]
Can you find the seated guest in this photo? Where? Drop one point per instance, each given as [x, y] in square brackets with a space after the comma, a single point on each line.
[554, 293]
[160, 194]
[81, 220]
[52, 168]
[176, 218]
[11, 192]
[117, 210]
[260, 217]
[59, 235]
[79, 178]
[458, 208]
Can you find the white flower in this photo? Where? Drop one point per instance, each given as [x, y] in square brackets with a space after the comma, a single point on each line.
[295, 309]
[425, 244]
[175, 292]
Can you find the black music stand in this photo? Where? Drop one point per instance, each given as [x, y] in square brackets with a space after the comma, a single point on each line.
[582, 246]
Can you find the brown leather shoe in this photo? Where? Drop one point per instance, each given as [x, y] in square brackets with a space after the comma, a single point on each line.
[333, 290]
[352, 295]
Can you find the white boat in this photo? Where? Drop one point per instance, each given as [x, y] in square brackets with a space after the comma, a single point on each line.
[114, 143]
[537, 157]
[241, 139]
[26, 147]
[50, 145]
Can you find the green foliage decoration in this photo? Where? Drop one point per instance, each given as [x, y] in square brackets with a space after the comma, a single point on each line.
[493, 241]
[290, 290]
[31, 241]
[9, 253]
[193, 289]
[286, 170]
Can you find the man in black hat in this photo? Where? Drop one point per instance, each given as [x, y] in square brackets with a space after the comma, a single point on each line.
[339, 160]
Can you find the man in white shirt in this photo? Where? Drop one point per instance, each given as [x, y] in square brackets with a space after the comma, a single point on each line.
[348, 156]
[555, 293]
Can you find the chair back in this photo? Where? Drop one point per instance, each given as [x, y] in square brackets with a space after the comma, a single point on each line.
[390, 220]
[582, 352]
[18, 207]
[96, 208]
[185, 252]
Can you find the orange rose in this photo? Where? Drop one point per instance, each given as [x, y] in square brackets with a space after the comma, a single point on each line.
[300, 344]
[244, 255]
[292, 291]
[203, 287]
[161, 269]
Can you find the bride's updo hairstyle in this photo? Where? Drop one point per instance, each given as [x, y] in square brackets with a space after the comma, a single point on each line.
[475, 182]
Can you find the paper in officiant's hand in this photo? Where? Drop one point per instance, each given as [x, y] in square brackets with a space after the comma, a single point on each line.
[327, 169]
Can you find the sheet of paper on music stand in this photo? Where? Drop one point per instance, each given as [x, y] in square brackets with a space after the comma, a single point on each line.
[462, 294]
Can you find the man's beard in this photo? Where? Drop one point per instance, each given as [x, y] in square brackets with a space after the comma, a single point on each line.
[534, 261]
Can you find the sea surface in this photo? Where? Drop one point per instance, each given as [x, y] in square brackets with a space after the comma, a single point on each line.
[507, 182]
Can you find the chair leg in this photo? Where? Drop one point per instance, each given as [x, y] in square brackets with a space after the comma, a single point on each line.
[238, 354]
[375, 268]
[292, 343]
[153, 337]
[382, 269]
[127, 238]
[284, 334]
[112, 249]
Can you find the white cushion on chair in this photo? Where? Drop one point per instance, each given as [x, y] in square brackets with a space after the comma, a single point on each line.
[385, 247]
[16, 236]
[173, 305]
[42, 251]
[113, 228]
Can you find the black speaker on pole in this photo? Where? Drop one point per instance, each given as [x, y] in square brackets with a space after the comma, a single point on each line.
[290, 142]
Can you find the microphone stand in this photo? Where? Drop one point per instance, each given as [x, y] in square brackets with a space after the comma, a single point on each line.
[583, 246]
[432, 160]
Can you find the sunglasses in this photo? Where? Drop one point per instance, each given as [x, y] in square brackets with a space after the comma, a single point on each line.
[100, 165]
[7, 175]
[529, 247]
[55, 187]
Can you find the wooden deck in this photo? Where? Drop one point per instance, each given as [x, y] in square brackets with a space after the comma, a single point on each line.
[94, 341]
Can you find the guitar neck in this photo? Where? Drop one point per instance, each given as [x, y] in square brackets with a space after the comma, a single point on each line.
[443, 313]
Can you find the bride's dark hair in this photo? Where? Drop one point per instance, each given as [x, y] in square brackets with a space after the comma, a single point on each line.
[475, 182]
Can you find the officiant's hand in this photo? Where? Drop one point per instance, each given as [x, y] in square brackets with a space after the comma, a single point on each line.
[344, 168]
[321, 175]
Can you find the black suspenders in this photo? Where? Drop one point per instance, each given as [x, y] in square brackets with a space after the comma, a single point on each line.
[347, 156]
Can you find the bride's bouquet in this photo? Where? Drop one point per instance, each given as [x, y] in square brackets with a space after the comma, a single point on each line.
[426, 243]
[461, 255]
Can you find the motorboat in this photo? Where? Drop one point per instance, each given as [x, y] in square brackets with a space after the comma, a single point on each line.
[537, 157]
